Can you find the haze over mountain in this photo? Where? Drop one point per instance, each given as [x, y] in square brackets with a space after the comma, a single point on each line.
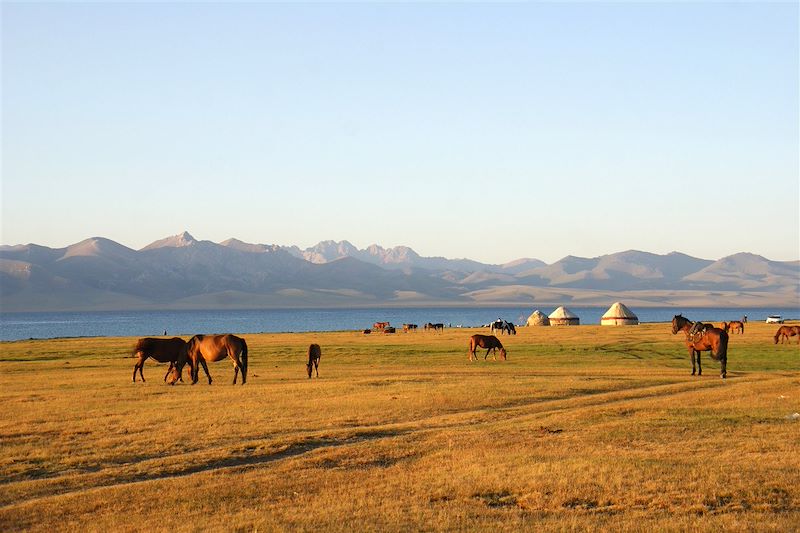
[181, 272]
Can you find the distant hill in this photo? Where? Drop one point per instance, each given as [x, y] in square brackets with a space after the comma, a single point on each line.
[181, 272]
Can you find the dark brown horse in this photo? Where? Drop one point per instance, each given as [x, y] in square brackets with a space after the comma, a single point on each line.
[490, 343]
[784, 332]
[202, 348]
[162, 350]
[734, 326]
[409, 327]
[433, 327]
[700, 338]
[314, 354]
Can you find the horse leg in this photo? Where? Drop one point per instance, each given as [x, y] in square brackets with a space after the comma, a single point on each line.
[141, 366]
[205, 368]
[171, 366]
[724, 370]
[237, 364]
[691, 355]
[316, 366]
[699, 366]
[139, 362]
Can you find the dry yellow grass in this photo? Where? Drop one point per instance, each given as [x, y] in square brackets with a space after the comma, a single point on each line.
[585, 428]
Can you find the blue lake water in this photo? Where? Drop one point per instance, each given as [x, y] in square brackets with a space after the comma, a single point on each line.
[15, 326]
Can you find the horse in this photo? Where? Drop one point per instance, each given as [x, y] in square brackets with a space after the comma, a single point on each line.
[162, 350]
[409, 327]
[202, 348]
[700, 338]
[314, 353]
[434, 327]
[733, 326]
[490, 343]
[503, 326]
[379, 325]
[784, 332]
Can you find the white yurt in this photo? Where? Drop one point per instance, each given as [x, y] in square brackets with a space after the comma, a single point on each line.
[538, 318]
[619, 315]
[563, 317]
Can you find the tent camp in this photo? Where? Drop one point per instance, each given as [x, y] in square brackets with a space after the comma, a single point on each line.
[538, 318]
[619, 315]
[563, 317]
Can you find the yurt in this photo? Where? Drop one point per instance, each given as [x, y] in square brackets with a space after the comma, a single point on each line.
[619, 315]
[538, 318]
[563, 317]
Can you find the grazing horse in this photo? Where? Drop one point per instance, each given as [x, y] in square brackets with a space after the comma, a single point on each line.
[314, 353]
[734, 326]
[784, 332]
[700, 338]
[202, 348]
[162, 350]
[379, 325]
[503, 326]
[409, 327]
[490, 343]
[434, 327]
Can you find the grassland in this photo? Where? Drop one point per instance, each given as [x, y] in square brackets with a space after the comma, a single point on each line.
[583, 428]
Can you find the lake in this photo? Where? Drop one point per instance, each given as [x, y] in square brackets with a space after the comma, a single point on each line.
[15, 326]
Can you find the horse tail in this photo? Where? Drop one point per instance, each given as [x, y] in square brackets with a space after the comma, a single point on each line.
[138, 347]
[721, 353]
[243, 357]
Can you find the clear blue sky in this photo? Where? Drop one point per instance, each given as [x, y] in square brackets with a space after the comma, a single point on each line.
[492, 131]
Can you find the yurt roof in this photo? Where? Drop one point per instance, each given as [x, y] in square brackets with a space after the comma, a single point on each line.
[619, 310]
[537, 314]
[562, 312]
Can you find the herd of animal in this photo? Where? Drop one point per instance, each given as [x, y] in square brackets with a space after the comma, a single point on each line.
[386, 327]
[200, 349]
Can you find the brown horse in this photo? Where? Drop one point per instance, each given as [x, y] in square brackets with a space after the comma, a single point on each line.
[202, 348]
[784, 332]
[701, 338]
[162, 350]
[488, 342]
[314, 353]
[378, 326]
[734, 326]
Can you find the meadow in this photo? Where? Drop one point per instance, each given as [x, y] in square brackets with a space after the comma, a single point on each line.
[582, 428]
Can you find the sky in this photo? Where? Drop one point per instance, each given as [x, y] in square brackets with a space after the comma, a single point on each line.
[487, 131]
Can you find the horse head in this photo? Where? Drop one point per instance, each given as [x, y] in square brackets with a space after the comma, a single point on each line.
[678, 322]
[183, 358]
[503, 354]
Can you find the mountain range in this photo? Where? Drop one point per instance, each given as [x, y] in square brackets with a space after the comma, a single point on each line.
[181, 272]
